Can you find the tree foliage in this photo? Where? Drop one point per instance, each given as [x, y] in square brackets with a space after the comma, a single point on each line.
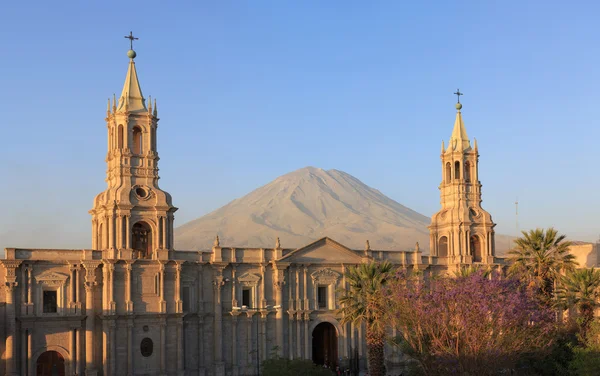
[539, 257]
[468, 325]
[580, 289]
[362, 303]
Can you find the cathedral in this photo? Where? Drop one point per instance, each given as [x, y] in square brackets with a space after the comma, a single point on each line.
[134, 305]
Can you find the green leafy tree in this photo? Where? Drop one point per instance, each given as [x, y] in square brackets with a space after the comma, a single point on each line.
[580, 289]
[363, 303]
[540, 257]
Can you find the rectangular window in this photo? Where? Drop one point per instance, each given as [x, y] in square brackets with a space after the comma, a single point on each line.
[322, 297]
[185, 297]
[246, 298]
[50, 302]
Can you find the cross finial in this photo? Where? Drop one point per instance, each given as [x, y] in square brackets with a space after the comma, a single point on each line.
[131, 39]
[458, 94]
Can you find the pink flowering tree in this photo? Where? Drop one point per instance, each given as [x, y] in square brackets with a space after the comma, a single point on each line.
[467, 325]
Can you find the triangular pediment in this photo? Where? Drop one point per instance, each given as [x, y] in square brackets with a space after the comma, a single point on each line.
[324, 251]
[51, 277]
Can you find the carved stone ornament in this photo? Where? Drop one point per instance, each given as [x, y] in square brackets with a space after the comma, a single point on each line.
[249, 279]
[52, 279]
[325, 276]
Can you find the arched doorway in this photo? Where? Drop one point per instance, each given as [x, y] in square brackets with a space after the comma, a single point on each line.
[141, 234]
[50, 363]
[325, 345]
[443, 247]
[476, 249]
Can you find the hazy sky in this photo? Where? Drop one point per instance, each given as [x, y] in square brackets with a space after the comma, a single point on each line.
[250, 90]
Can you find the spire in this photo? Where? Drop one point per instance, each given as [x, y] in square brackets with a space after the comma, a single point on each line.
[459, 141]
[155, 113]
[131, 96]
[443, 147]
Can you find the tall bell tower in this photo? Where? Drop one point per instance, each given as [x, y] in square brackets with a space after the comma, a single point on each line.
[462, 232]
[133, 217]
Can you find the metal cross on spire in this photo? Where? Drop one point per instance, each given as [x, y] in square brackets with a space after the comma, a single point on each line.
[131, 39]
[458, 94]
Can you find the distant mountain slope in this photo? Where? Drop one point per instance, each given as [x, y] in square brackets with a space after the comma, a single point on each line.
[305, 205]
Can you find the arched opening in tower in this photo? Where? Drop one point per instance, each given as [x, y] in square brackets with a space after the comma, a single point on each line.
[457, 170]
[443, 247]
[448, 173]
[120, 137]
[142, 240]
[476, 249]
[467, 171]
[137, 140]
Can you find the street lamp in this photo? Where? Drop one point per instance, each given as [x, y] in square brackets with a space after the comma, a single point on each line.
[268, 308]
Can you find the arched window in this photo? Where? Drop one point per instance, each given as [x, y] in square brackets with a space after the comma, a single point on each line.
[141, 236]
[120, 140]
[457, 170]
[476, 249]
[443, 247]
[100, 239]
[448, 173]
[137, 140]
[467, 171]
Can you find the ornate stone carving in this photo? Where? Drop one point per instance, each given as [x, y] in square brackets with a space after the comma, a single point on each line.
[325, 276]
[249, 279]
[52, 279]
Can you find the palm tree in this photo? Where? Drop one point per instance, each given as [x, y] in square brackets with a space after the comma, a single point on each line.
[581, 289]
[362, 303]
[541, 256]
[468, 270]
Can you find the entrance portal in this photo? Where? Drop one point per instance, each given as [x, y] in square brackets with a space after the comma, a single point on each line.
[50, 363]
[325, 345]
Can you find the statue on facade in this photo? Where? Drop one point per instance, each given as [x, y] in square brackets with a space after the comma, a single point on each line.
[217, 243]
[277, 243]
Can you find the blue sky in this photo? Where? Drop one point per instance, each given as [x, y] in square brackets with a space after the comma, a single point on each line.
[250, 90]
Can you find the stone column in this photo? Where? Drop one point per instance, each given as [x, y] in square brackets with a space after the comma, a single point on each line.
[162, 302]
[291, 315]
[180, 351]
[164, 232]
[130, 347]
[90, 284]
[163, 347]
[200, 310]
[79, 351]
[127, 232]
[24, 351]
[200, 354]
[29, 352]
[178, 302]
[279, 285]
[234, 344]
[263, 335]
[307, 339]
[11, 323]
[112, 351]
[128, 302]
[249, 353]
[218, 283]
[298, 335]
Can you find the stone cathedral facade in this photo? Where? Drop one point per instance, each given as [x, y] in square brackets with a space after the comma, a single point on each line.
[133, 305]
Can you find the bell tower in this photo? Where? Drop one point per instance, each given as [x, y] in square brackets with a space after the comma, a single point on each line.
[133, 217]
[462, 232]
